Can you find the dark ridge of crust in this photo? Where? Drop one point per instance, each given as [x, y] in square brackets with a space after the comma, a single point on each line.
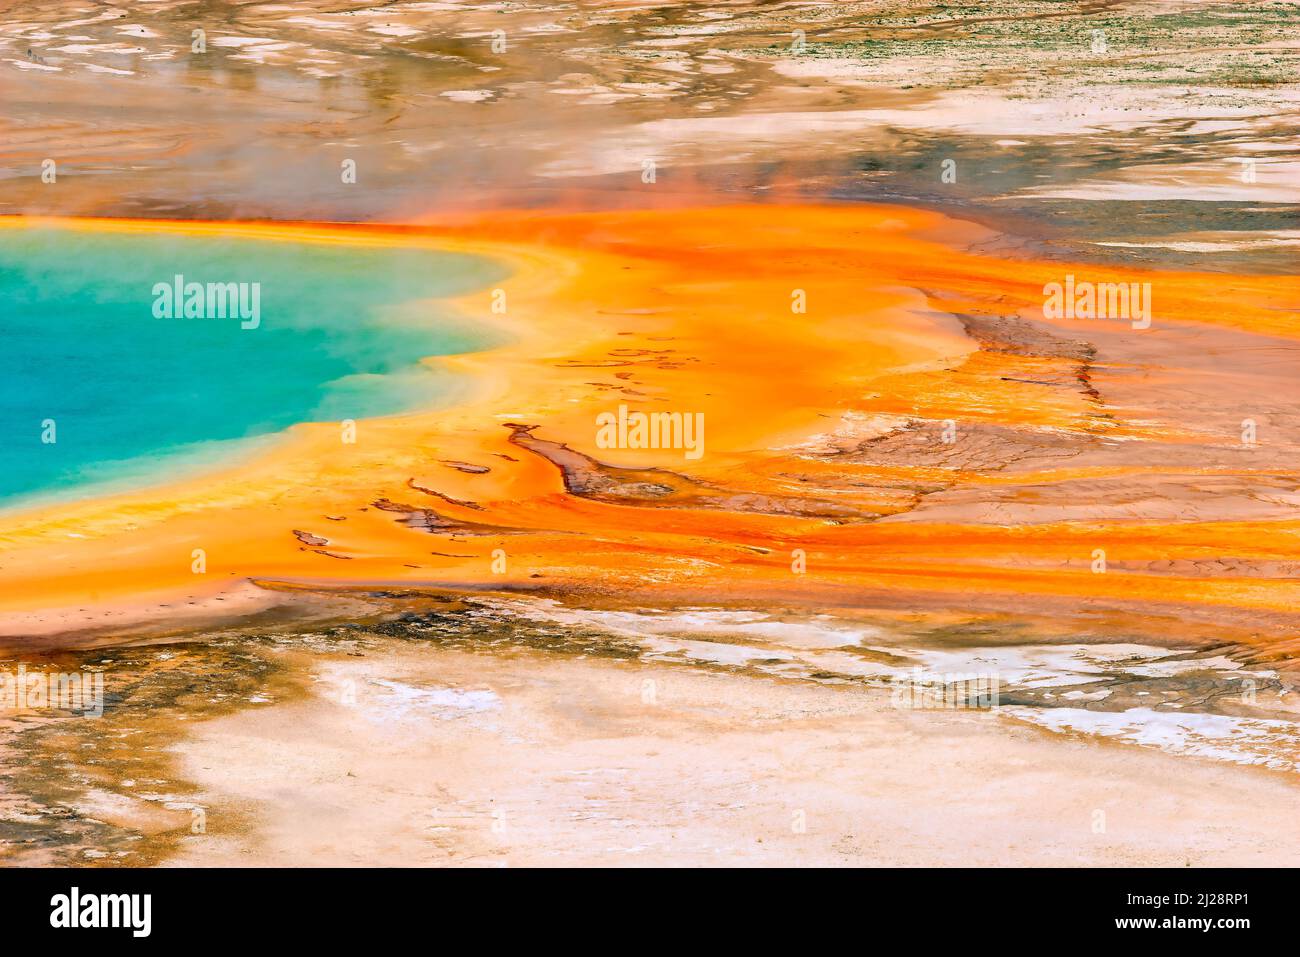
[458, 502]
[587, 478]
[427, 520]
[467, 467]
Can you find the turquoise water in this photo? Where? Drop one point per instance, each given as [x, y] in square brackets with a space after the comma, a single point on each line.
[136, 398]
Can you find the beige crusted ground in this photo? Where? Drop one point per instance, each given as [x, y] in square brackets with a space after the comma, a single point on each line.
[526, 759]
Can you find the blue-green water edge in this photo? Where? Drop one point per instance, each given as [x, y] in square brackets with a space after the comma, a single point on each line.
[128, 397]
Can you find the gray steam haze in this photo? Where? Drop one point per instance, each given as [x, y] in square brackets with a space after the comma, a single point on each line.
[459, 105]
